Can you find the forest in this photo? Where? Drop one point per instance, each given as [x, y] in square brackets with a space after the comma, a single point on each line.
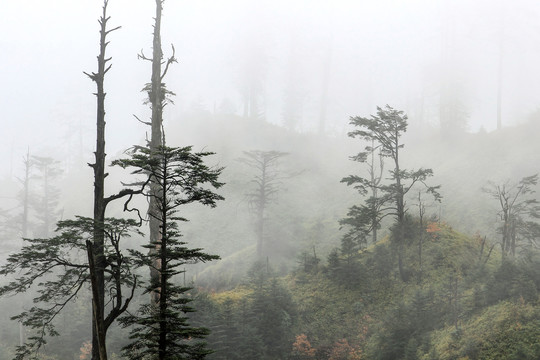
[313, 229]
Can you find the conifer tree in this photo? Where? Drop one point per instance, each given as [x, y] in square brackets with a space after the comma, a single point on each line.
[158, 97]
[83, 253]
[57, 268]
[384, 131]
[161, 328]
[265, 186]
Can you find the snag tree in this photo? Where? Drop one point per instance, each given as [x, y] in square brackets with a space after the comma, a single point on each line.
[519, 213]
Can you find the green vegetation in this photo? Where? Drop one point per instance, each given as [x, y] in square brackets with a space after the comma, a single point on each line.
[160, 329]
[316, 297]
[458, 311]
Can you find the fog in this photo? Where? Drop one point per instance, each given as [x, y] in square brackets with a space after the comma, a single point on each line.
[287, 76]
[374, 52]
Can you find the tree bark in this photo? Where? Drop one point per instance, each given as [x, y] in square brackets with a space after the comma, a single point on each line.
[96, 257]
[163, 290]
[96, 306]
[156, 97]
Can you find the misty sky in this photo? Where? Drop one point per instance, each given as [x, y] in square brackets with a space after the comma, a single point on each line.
[380, 51]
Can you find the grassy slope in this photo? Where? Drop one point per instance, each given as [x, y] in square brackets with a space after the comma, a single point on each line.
[328, 311]
[366, 315]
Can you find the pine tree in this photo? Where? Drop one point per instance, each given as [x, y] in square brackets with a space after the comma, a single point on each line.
[161, 329]
[57, 269]
[384, 132]
[266, 184]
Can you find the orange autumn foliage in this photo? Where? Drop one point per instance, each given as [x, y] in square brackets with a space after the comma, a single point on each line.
[434, 229]
[86, 350]
[343, 351]
[302, 348]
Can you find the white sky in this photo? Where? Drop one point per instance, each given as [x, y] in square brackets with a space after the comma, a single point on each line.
[383, 51]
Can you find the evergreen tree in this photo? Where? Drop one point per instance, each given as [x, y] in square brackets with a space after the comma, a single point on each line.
[273, 309]
[161, 329]
[366, 219]
[158, 97]
[384, 132]
[266, 183]
[57, 268]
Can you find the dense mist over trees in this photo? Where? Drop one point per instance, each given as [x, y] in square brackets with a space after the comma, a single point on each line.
[368, 175]
[432, 59]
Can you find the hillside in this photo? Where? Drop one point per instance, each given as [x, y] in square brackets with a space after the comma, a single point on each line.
[465, 306]
[312, 297]
[304, 215]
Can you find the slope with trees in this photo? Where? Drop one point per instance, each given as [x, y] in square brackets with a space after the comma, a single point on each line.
[384, 131]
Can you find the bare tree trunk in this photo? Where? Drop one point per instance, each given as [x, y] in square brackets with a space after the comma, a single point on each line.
[97, 311]
[156, 97]
[96, 257]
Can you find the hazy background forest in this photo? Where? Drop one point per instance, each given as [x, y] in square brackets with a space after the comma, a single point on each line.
[286, 76]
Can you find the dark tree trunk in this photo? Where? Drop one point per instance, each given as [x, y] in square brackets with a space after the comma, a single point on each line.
[97, 311]
[97, 261]
[156, 97]
[163, 258]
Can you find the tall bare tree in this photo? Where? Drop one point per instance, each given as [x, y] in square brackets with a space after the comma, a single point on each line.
[158, 95]
[96, 252]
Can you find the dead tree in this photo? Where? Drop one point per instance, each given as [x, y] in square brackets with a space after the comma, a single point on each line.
[96, 251]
